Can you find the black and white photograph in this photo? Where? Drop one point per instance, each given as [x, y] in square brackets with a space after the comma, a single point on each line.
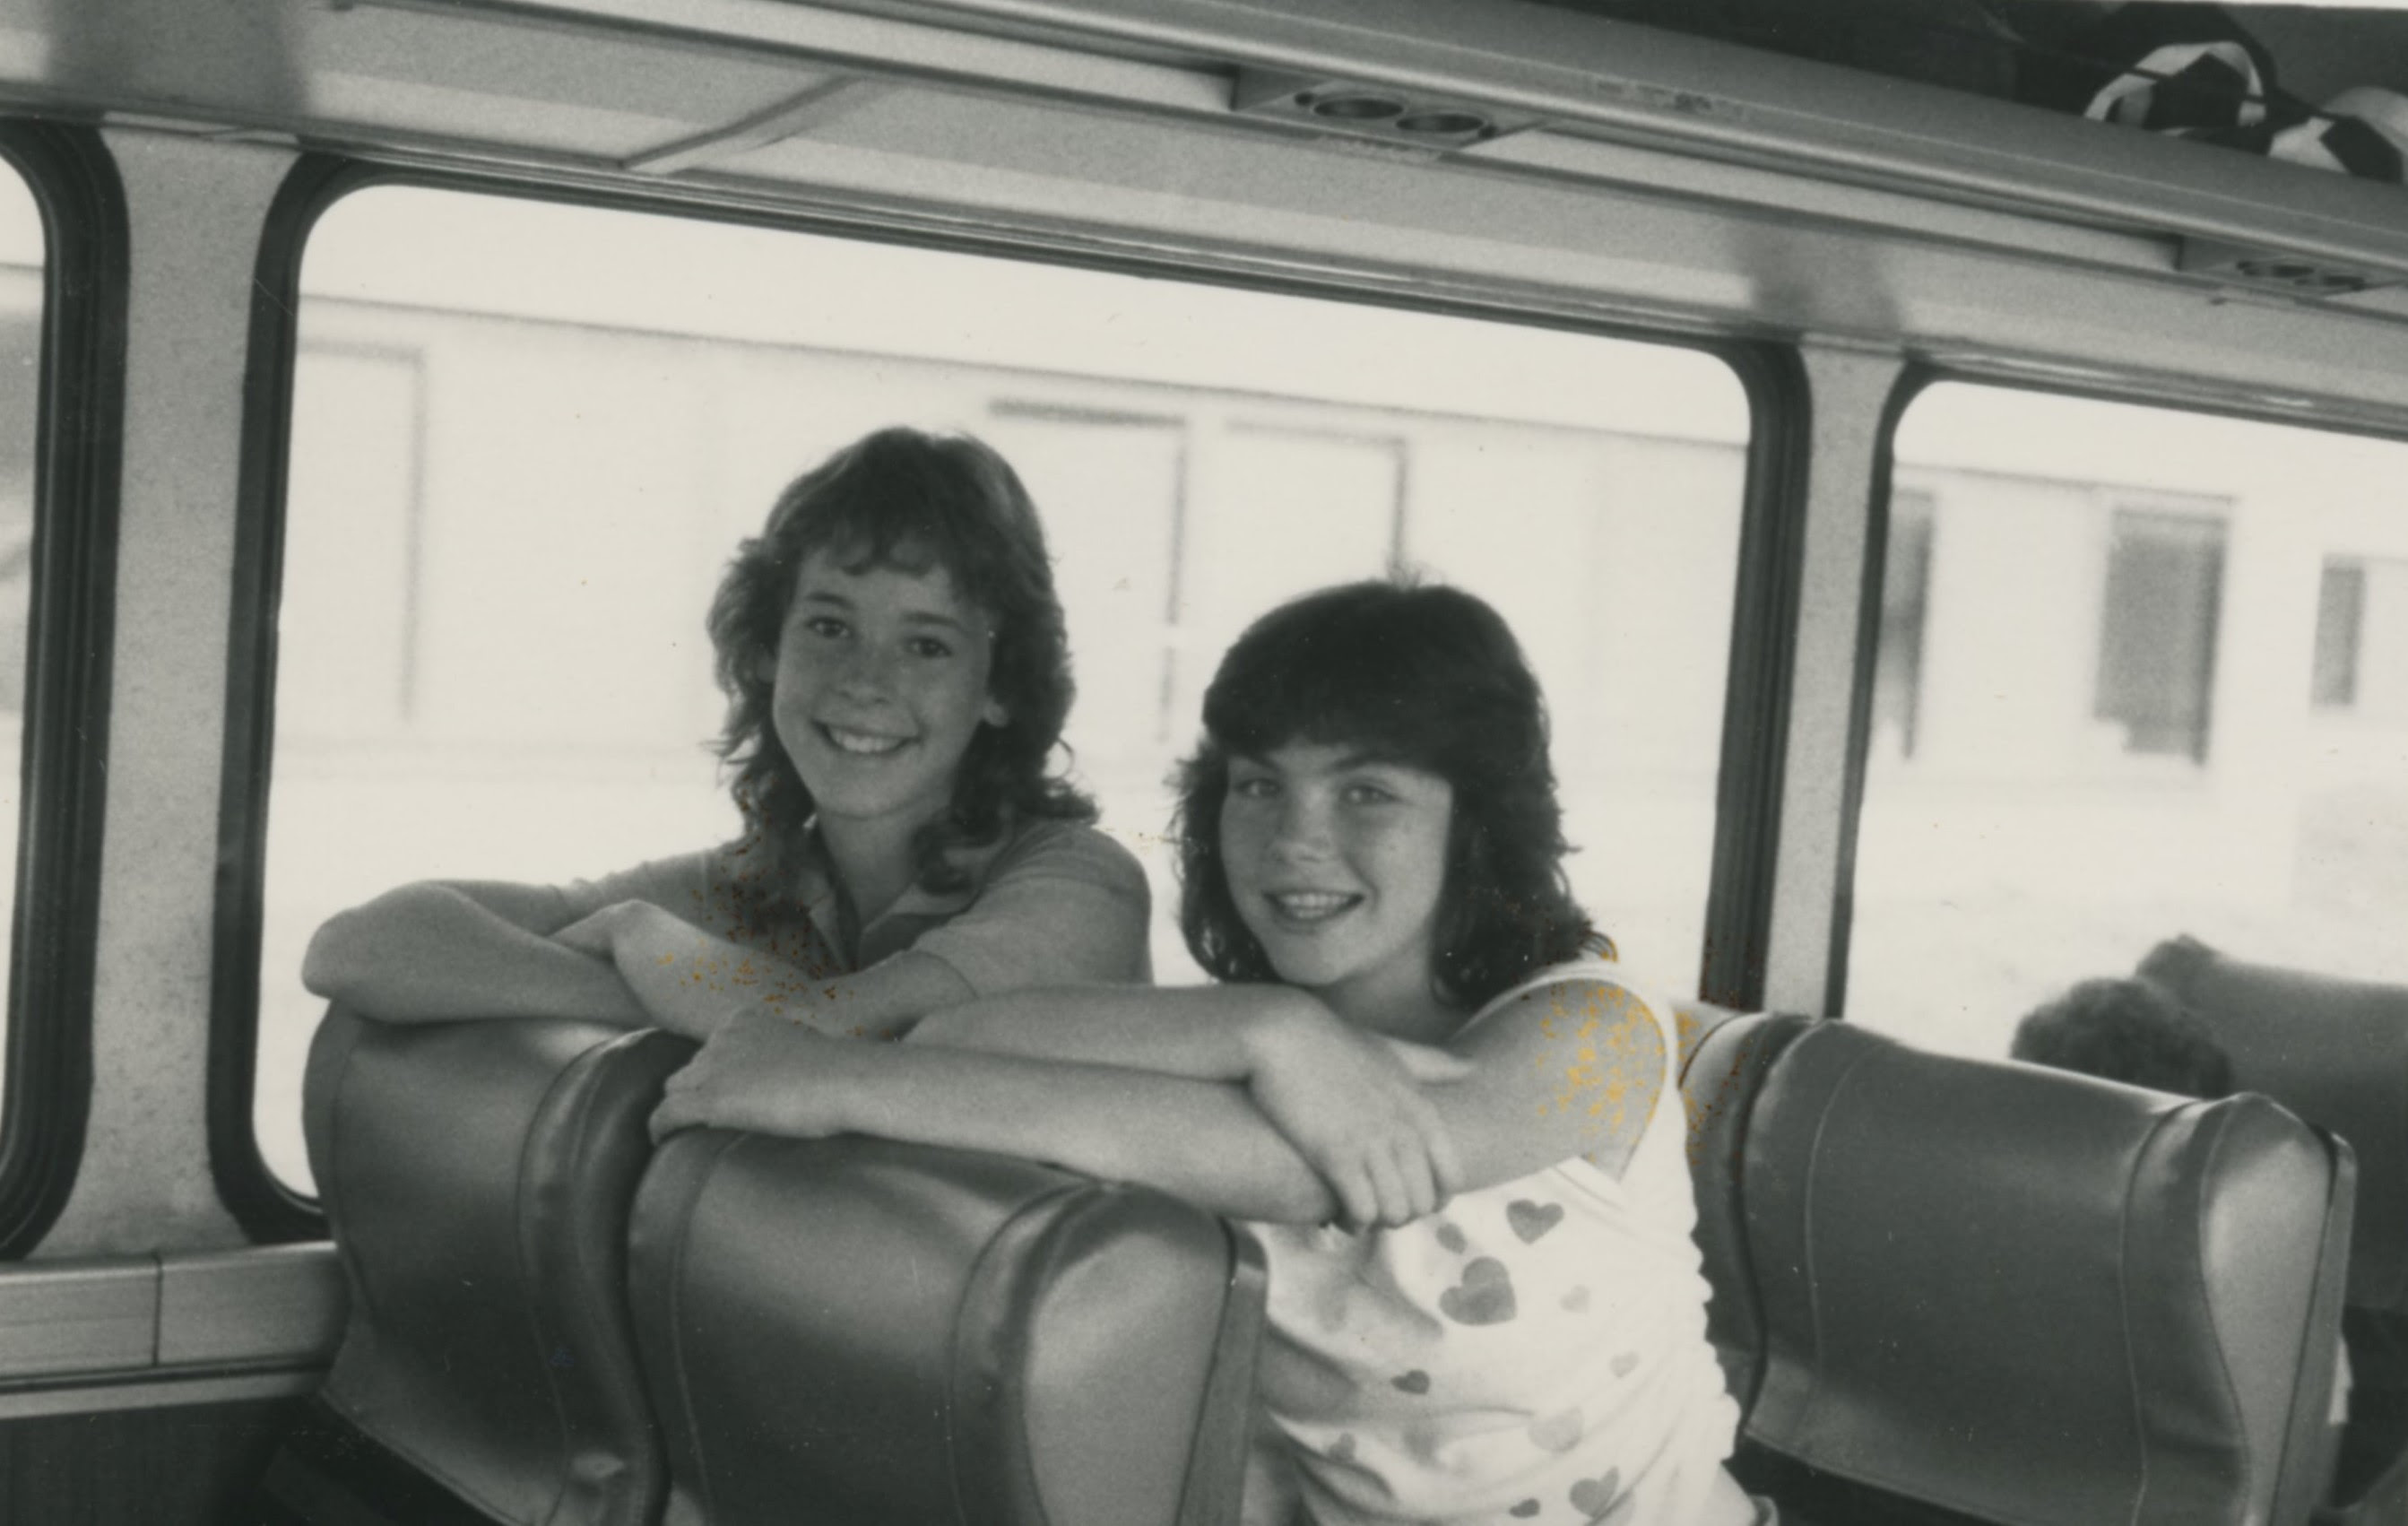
[1204, 763]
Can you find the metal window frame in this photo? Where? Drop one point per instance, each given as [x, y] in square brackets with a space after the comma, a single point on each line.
[69, 623]
[1738, 903]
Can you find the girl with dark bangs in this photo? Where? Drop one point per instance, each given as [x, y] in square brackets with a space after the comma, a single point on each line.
[1450, 1120]
[1425, 677]
[897, 677]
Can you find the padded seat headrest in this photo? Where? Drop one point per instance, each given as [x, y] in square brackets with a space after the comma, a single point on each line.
[886, 1334]
[2334, 1051]
[476, 1178]
[1725, 1058]
[2037, 1298]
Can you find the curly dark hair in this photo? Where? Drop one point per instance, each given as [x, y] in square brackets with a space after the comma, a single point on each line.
[907, 500]
[1429, 677]
[2126, 1030]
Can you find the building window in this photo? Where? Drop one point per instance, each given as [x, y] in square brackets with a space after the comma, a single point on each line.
[1112, 486]
[1906, 595]
[2107, 581]
[2156, 637]
[347, 627]
[2341, 619]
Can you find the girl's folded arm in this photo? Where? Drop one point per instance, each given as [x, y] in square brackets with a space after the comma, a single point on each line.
[1199, 1140]
[1575, 1069]
[1349, 1103]
[439, 950]
[1205, 1032]
[692, 980]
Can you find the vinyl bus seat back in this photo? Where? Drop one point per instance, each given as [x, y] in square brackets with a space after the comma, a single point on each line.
[2007, 1294]
[1724, 1058]
[2334, 1051]
[478, 1178]
[884, 1334]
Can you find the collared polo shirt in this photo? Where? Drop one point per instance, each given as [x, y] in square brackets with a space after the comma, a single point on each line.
[1047, 903]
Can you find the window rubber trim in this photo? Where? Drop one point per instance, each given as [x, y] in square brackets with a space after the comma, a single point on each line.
[1756, 688]
[263, 1205]
[1910, 383]
[64, 762]
[1738, 914]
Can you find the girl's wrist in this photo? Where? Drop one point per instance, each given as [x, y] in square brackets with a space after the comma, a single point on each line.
[1273, 1024]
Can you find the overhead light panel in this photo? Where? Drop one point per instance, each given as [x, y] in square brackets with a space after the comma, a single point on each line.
[1367, 110]
[2280, 270]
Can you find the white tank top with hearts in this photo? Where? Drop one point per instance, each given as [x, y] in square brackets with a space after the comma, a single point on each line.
[1535, 1353]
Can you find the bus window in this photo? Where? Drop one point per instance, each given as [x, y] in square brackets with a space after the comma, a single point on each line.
[526, 437]
[22, 260]
[2142, 672]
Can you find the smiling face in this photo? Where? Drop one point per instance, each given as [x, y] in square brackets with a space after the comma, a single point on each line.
[881, 684]
[1336, 861]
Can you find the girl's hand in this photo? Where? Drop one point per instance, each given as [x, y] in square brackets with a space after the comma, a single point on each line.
[1425, 1064]
[1351, 1104]
[596, 936]
[685, 980]
[763, 1075]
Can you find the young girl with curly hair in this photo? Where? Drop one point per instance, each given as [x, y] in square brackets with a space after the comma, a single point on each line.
[1416, 1034]
[892, 653]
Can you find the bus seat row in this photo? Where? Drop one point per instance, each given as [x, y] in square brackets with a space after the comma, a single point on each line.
[2334, 1051]
[554, 1325]
[477, 1178]
[1991, 1292]
[854, 1330]
[1944, 1290]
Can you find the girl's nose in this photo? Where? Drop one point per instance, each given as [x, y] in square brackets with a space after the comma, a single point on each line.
[865, 674]
[1303, 830]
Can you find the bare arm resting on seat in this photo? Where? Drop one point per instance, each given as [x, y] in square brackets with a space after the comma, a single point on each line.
[1568, 1070]
[693, 982]
[441, 951]
[436, 951]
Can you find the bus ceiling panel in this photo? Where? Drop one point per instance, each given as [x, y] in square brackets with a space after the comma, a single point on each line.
[1634, 84]
[302, 70]
[851, 37]
[606, 80]
[1589, 158]
[380, 74]
[1123, 153]
[1435, 232]
[606, 97]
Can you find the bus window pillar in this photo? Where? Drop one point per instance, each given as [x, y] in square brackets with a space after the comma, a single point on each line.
[195, 208]
[1849, 393]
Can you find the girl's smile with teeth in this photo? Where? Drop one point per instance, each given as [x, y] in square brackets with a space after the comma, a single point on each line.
[862, 743]
[1307, 816]
[1311, 906]
[905, 660]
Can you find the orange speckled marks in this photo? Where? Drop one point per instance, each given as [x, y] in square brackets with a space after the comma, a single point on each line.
[1703, 1097]
[743, 906]
[1608, 1052]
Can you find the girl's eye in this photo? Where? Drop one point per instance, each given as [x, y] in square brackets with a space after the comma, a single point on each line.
[1363, 794]
[929, 647]
[1258, 788]
[826, 626]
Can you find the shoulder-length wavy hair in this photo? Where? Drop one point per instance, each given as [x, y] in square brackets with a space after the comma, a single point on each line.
[1429, 677]
[904, 499]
